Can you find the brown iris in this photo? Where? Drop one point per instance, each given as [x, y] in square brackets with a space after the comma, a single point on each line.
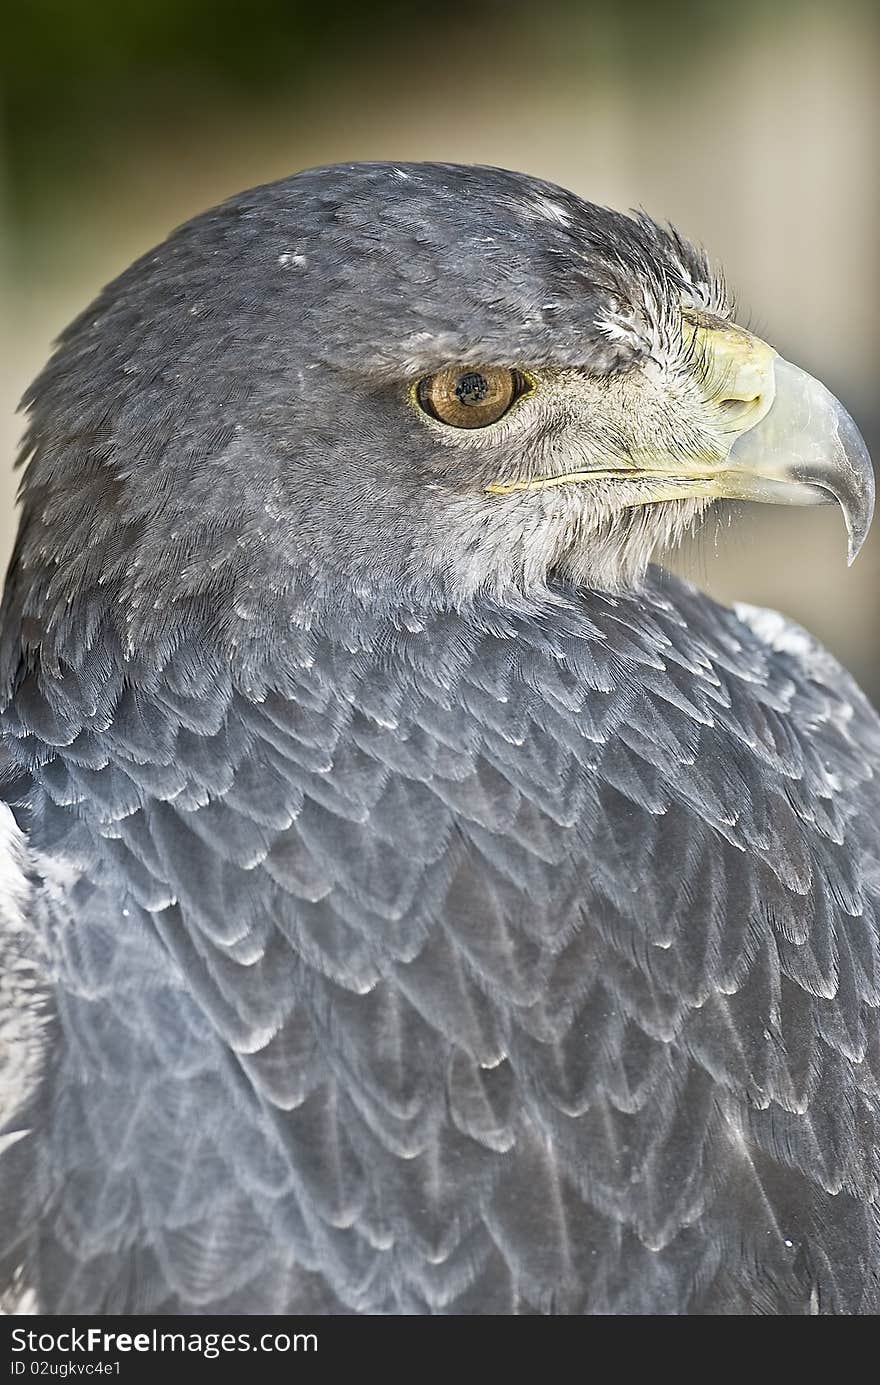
[470, 396]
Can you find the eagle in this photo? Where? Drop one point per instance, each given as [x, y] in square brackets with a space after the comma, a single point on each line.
[414, 901]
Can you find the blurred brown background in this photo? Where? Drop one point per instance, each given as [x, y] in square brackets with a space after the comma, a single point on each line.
[753, 127]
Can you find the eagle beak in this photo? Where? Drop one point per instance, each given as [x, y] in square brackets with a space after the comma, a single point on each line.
[775, 435]
[799, 445]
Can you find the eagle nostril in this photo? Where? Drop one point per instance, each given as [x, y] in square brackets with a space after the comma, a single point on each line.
[733, 405]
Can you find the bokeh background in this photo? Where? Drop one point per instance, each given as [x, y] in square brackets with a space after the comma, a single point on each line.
[753, 126]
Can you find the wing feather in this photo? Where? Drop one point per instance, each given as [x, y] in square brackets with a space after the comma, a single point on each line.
[521, 963]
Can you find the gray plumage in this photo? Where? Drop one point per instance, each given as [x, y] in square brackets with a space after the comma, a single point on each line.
[399, 932]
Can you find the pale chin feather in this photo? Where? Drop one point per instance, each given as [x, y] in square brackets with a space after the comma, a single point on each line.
[614, 548]
[512, 546]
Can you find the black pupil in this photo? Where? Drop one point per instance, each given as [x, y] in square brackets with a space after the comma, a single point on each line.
[472, 388]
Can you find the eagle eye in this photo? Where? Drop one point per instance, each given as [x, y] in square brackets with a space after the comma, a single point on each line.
[470, 396]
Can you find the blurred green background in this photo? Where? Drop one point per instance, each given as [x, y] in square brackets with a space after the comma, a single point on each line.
[752, 126]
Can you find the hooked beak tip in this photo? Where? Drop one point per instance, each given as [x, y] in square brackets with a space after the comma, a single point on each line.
[809, 449]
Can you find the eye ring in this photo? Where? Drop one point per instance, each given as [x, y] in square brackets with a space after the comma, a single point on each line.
[471, 396]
